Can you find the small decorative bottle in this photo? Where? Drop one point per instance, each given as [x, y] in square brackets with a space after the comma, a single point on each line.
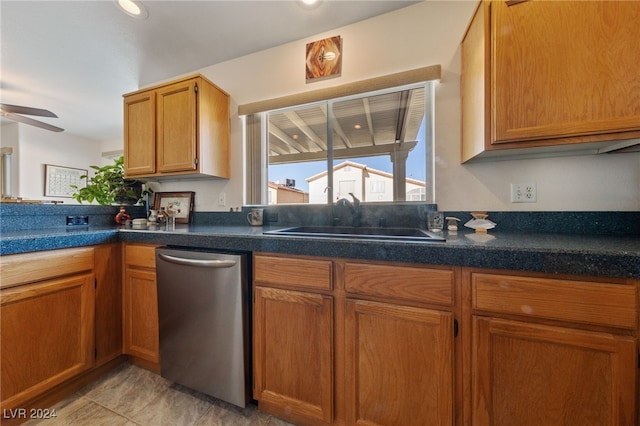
[122, 217]
[162, 216]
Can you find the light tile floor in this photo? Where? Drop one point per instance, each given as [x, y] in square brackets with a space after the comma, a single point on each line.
[129, 395]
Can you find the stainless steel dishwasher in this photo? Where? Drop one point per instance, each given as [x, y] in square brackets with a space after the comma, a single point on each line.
[203, 310]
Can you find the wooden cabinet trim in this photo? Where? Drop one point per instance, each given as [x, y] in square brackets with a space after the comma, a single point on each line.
[597, 303]
[17, 269]
[299, 272]
[140, 255]
[409, 283]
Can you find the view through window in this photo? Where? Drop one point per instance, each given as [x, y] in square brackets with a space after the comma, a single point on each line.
[376, 146]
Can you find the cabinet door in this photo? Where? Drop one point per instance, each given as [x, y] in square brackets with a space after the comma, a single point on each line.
[177, 124]
[46, 336]
[528, 374]
[108, 274]
[293, 347]
[140, 315]
[564, 68]
[140, 134]
[399, 365]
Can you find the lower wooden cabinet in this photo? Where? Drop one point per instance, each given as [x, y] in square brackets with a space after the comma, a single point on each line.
[552, 350]
[532, 374]
[293, 350]
[140, 305]
[399, 365]
[352, 342]
[47, 322]
[345, 342]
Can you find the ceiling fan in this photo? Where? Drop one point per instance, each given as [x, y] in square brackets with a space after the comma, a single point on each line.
[14, 112]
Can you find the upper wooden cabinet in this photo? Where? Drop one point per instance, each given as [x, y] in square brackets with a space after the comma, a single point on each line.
[176, 129]
[539, 74]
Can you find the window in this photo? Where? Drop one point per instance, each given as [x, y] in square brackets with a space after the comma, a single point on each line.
[376, 145]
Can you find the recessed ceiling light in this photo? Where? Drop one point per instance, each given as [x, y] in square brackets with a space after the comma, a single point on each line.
[133, 8]
[309, 4]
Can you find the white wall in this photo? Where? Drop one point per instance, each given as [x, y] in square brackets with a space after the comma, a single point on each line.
[37, 147]
[426, 34]
[420, 35]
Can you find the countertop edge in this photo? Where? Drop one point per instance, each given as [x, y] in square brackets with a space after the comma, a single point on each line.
[576, 260]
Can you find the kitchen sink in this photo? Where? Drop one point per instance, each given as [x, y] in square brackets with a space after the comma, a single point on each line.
[402, 234]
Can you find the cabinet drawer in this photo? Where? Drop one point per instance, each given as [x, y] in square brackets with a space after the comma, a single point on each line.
[598, 303]
[26, 268]
[411, 283]
[142, 255]
[293, 271]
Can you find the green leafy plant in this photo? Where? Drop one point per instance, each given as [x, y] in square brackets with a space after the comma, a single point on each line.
[108, 186]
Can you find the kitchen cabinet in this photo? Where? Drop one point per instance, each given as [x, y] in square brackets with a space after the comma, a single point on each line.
[179, 128]
[293, 338]
[346, 342]
[553, 350]
[534, 81]
[399, 358]
[46, 320]
[140, 305]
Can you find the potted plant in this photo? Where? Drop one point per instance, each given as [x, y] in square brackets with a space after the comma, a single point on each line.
[108, 186]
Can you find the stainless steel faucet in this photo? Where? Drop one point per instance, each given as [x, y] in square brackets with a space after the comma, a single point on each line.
[356, 210]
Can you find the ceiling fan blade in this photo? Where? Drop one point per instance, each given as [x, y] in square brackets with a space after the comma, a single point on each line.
[27, 110]
[31, 121]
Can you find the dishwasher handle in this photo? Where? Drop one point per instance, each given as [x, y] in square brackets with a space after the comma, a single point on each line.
[207, 263]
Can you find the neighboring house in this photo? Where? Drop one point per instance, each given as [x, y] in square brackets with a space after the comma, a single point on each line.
[364, 182]
[283, 194]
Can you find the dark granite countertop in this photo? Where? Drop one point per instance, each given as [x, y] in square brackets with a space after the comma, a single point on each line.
[23, 241]
[597, 255]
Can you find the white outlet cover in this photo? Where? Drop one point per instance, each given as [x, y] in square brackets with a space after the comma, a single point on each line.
[524, 192]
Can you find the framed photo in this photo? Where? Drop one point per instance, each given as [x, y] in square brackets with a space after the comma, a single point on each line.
[58, 180]
[180, 203]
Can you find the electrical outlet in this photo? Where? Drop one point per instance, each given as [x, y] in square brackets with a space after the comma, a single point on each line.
[222, 199]
[524, 193]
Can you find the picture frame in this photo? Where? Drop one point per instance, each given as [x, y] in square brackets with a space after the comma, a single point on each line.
[180, 202]
[323, 59]
[58, 180]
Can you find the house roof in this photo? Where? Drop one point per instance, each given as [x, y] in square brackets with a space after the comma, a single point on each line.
[363, 167]
[281, 187]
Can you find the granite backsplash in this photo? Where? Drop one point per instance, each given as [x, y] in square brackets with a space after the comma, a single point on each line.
[16, 217]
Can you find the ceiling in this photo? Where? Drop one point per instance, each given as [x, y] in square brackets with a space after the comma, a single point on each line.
[381, 124]
[77, 58]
